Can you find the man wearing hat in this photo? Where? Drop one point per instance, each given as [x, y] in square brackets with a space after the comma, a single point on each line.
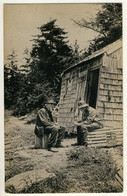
[89, 122]
[45, 124]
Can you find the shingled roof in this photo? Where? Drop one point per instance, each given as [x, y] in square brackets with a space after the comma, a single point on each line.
[107, 49]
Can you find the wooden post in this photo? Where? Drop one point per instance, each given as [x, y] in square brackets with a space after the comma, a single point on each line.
[42, 141]
[45, 141]
[38, 142]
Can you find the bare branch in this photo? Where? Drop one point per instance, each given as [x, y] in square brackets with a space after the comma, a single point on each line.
[89, 25]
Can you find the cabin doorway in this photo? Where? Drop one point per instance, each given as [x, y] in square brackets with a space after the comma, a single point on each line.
[92, 87]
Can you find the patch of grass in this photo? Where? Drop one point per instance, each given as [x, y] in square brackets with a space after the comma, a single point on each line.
[58, 184]
[18, 168]
[10, 189]
[88, 171]
[97, 169]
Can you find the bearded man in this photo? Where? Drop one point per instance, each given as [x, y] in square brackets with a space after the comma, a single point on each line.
[46, 125]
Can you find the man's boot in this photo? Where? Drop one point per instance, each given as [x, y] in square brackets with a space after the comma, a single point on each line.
[84, 137]
[79, 135]
[59, 145]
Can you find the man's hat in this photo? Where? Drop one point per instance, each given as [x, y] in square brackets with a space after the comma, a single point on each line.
[50, 101]
[83, 106]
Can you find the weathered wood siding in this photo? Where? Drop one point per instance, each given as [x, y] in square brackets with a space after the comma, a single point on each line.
[109, 99]
[69, 96]
[110, 95]
[72, 91]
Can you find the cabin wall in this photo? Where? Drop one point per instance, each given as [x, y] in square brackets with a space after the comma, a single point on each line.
[73, 89]
[109, 99]
[110, 95]
[69, 96]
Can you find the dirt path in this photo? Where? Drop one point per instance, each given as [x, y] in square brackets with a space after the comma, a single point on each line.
[19, 146]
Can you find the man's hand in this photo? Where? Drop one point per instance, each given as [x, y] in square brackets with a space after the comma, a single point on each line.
[89, 119]
[86, 122]
[77, 123]
[57, 126]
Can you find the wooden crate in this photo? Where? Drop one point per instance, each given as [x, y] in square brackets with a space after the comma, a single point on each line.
[106, 137]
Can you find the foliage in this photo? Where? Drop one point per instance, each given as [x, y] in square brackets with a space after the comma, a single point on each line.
[39, 77]
[11, 79]
[107, 23]
[12, 61]
[51, 53]
[25, 68]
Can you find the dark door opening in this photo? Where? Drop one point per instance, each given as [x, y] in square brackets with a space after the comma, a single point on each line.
[93, 87]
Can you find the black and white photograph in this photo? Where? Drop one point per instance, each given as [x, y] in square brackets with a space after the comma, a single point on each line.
[63, 97]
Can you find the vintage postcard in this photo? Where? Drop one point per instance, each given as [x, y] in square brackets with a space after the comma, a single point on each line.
[63, 97]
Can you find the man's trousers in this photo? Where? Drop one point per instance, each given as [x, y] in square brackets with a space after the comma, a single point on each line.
[82, 131]
[54, 135]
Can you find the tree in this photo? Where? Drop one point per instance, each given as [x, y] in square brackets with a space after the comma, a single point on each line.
[25, 68]
[76, 52]
[15, 86]
[12, 61]
[11, 74]
[39, 77]
[51, 53]
[107, 23]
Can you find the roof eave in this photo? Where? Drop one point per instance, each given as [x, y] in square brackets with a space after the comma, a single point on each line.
[107, 49]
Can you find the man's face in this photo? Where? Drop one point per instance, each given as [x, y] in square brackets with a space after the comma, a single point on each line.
[84, 109]
[50, 106]
[79, 104]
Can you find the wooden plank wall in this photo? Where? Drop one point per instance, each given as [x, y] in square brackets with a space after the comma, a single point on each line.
[109, 102]
[77, 88]
[110, 95]
[68, 100]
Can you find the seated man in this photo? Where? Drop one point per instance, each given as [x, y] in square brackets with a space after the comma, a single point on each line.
[46, 124]
[89, 122]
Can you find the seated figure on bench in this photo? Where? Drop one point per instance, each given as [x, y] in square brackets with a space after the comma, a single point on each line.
[45, 125]
[88, 122]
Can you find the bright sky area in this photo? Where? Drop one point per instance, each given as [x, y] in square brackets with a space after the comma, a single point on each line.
[21, 22]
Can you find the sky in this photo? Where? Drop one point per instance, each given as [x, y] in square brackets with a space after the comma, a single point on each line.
[21, 22]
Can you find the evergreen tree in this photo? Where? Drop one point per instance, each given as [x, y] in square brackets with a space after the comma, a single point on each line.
[25, 68]
[77, 54]
[51, 53]
[15, 86]
[12, 61]
[11, 74]
[39, 77]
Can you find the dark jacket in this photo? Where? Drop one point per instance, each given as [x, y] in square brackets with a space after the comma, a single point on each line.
[44, 122]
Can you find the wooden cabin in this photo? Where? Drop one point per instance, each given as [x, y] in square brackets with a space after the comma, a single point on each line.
[98, 81]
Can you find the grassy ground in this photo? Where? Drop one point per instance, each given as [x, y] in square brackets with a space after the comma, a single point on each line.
[88, 171]
[78, 169]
